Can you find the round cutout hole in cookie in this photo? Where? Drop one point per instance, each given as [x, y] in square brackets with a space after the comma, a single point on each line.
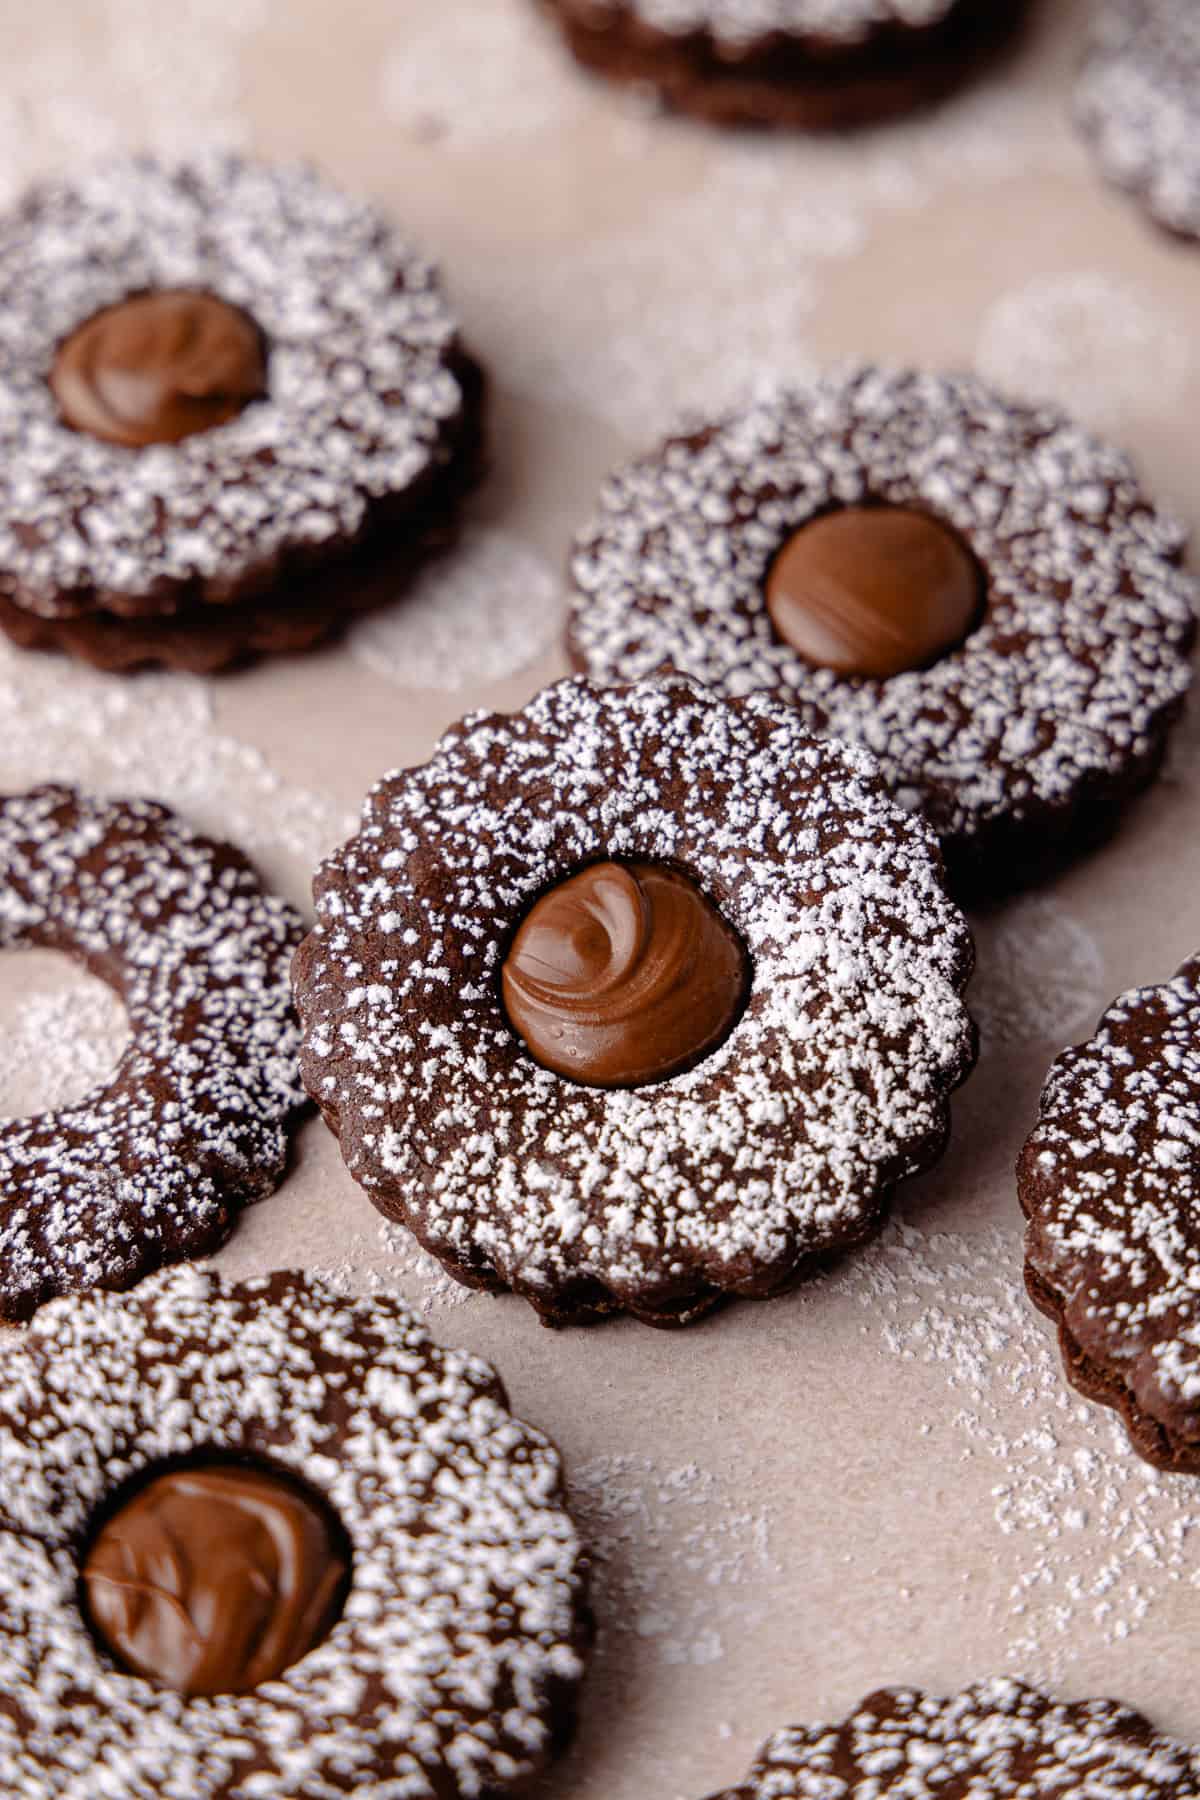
[623, 974]
[874, 590]
[212, 1574]
[63, 1032]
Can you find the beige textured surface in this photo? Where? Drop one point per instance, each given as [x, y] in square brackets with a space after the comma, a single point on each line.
[883, 1478]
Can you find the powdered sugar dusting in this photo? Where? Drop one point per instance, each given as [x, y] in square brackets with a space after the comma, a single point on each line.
[58, 1044]
[786, 1129]
[1065, 682]
[1110, 1179]
[676, 1557]
[741, 22]
[372, 1265]
[1084, 339]
[486, 612]
[154, 735]
[1000, 1739]
[194, 1123]
[477, 73]
[1138, 99]
[460, 1641]
[70, 97]
[1040, 976]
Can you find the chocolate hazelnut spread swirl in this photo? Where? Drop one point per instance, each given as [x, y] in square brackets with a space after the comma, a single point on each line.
[158, 367]
[874, 591]
[213, 1580]
[624, 974]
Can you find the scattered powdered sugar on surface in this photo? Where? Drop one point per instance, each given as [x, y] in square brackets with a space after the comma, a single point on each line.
[1039, 975]
[740, 22]
[676, 1557]
[1052, 694]
[361, 1270]
[58, 1045]
[1110, 1178]
[839, 1068]
[999, 1739]
[1097, 1535]
[1084, 339]
[1138, 99]
[69, 97]
[474, 72]
[485, 612]
[153, 735]
[461, 1635]
[587, 338]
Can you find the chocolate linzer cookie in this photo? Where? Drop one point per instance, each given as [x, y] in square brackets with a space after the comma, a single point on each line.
[999, 1740]
[976, 591]
[260, 1539]
[235, 409]
[1110, 1183]
[153, 1166]
[1138, 102]
[634, 999]
[814, 64]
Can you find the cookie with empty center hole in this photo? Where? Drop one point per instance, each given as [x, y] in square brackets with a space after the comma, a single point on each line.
[154, 1165]
[999, 1740]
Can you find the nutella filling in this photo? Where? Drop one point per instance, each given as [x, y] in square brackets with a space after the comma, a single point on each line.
[624, 974]
[159, 366]
[214, 1578]
[874, 591]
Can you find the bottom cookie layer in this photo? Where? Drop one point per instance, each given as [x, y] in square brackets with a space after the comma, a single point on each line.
[786, 86]
[1149, 1438]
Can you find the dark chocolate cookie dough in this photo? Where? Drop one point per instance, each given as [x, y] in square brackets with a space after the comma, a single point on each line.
[194, 1123]
[634, 999]
[234, 410]
[1000, 1740]
[338, 1465]
[1110, 1183]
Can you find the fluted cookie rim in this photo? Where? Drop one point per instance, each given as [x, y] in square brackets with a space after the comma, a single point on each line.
[1034, 749]
[1133, 104]
[372, 403]
[1115, 1279]
[353, 1398]
[154, 1164]
[405, 1044]
[905, 1730]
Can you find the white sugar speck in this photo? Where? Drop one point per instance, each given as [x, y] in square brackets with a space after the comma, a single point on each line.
[486, 611]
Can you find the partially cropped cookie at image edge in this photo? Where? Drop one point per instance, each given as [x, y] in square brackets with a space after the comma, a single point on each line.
[262, 1539]
[998, 1740]
[977, 591]
[234, 410]
[1138, 102]
[1110, 1183]
[194, 1123]
[634, 999]
[815, 65]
